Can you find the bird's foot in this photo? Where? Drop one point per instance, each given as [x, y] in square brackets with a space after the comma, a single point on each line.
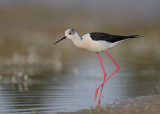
[98, 103]
[95, 96]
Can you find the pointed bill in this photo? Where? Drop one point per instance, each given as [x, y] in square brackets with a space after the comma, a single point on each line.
[60, 40]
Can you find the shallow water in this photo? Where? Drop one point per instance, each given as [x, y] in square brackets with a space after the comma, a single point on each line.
[73, 89]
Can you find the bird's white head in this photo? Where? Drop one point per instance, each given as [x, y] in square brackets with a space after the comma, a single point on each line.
[70, 34]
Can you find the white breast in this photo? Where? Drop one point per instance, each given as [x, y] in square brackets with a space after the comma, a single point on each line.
[95, 46]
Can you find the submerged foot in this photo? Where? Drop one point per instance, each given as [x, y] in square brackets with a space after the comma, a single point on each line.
[98, 103]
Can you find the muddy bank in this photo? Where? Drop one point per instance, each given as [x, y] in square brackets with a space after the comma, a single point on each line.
[140, 105]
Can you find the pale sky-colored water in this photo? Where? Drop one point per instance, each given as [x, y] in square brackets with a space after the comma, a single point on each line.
[73, 89]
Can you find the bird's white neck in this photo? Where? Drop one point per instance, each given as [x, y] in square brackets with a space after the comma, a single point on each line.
[77, 40]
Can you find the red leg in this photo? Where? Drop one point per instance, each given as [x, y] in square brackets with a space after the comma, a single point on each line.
[103, 80]
[118, 67]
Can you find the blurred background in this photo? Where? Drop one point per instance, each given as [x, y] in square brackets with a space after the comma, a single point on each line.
[36, 75]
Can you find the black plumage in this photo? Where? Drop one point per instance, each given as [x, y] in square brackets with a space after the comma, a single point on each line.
[109, 38]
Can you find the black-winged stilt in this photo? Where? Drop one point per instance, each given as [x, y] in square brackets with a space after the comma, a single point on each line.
[96, 42]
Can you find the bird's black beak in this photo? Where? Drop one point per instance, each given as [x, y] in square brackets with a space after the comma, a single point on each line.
[60, 40]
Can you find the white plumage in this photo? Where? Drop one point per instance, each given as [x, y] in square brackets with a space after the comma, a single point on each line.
[97, 42]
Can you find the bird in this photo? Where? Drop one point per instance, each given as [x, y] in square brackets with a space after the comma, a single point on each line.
[97, 42]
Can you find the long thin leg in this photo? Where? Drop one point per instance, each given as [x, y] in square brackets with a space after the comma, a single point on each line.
[118, 67]
[103, 80]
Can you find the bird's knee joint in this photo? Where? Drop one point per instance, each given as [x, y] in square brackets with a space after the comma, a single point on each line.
[118, 67]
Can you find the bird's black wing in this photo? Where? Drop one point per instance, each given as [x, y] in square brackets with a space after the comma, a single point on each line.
[108, 37]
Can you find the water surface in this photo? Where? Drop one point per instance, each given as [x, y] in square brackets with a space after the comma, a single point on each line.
[73, 89]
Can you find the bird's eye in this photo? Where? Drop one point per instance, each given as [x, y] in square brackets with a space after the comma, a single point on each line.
[70, 33]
